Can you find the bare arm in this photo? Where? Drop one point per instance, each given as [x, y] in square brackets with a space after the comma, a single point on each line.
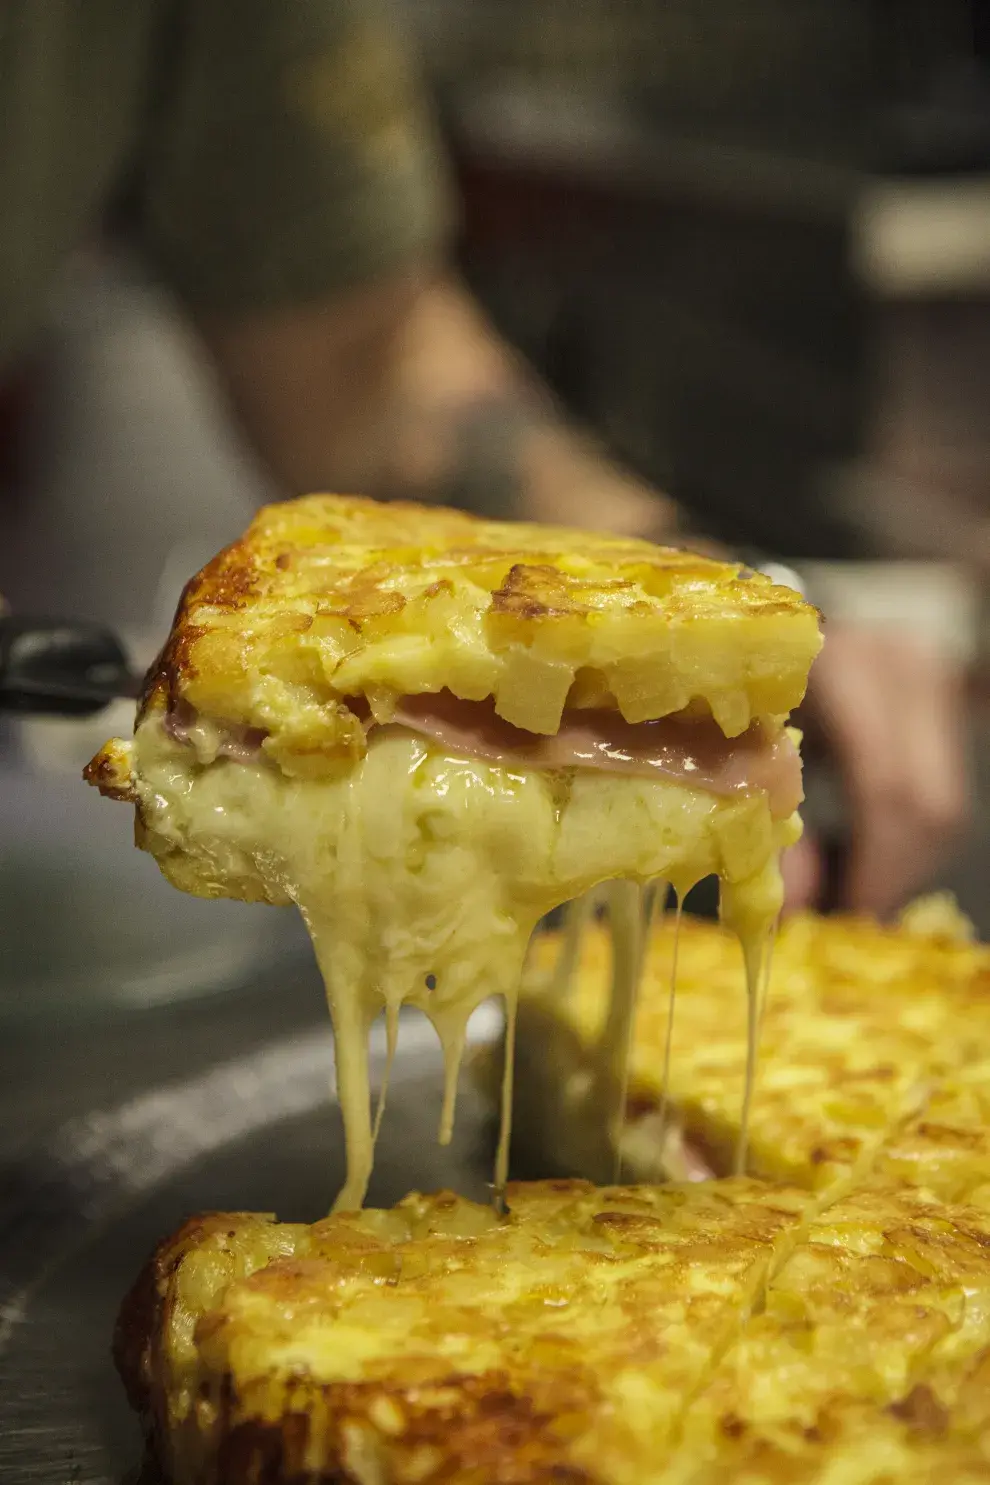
[402, 389]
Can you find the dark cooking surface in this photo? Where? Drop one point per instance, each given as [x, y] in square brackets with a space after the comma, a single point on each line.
[78, 1217]
[158, 1055]
[52, 1070]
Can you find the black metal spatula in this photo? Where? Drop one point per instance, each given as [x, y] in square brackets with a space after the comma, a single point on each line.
[61, 667]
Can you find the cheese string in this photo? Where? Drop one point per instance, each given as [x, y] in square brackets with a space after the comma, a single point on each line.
[768, 971]
[669, 1037]
[505, 1125]
[391, 1042]
[625, 910]
[577, 914]
[653, 899]
[756, 954]
[452, 1042]
[352, 1018]
[751, 909]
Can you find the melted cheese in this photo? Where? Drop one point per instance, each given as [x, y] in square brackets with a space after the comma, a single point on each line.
[755, 933]
[693, 751]
[749, 912]
[577, 915]
[625, 910]
[421, 876]
[668, 1040]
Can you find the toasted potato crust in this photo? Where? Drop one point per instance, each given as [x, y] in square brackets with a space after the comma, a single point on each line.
[671, 1335]
[438, 1341]
[329, 599]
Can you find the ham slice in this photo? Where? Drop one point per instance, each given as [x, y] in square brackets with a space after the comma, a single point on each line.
[213, 739]
[692, 751]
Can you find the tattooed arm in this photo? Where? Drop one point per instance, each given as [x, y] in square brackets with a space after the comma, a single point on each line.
[403, 390]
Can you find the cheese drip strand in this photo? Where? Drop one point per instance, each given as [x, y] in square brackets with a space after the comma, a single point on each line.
[626, 911]
[421, 876]
[668, 1041]
[750, 910]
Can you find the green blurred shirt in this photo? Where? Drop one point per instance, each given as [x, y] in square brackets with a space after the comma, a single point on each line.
[269, 151]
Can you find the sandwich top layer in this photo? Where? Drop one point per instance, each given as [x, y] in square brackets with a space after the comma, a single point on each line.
[332, 609]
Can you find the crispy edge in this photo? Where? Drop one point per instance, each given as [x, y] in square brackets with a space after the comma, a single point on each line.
[110, 771]
[228, 581]
[477, 1422]
[475, 1427]
[140, 1320]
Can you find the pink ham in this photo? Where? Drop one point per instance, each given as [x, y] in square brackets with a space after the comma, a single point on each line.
[690, 751]
[240, 743]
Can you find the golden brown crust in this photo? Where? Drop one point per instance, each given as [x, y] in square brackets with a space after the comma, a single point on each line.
[328, 598]
[685, 1336]
[110, 771]
[480, 1426]
[464, 1388]
[228, 582]
[866, 1364]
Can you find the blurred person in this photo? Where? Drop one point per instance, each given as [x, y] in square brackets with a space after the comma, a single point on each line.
[276, 167]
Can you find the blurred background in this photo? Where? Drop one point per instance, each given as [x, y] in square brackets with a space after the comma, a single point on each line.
[748, 241]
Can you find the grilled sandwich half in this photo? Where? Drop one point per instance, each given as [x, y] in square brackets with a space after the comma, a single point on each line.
[426, 730]
[874, 1045]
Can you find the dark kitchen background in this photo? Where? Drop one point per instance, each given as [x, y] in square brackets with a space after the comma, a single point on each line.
[748, 240]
